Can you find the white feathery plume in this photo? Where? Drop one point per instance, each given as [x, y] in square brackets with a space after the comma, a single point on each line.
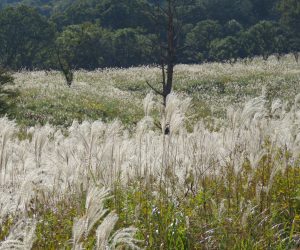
[124, 237]
[255, 157]
[253, 109]
[113, 129]
[95, 206]
[7, 129]
[8, 204]
[78, 231]
[174, 112]
[148, 103]
[95, 210]
[277, 108]
[297, 102]
[144, 125]
[40, 139]
[21, 236]
[41, 184]
[246, 214]
[104, 230]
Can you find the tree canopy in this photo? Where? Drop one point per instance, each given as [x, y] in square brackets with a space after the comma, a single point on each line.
[108, 33]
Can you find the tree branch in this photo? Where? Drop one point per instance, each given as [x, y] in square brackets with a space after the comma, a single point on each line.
[154, 89]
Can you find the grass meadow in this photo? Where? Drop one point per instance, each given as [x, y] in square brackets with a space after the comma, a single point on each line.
[88, 167]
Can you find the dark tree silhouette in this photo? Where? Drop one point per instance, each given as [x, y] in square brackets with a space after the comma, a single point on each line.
[166, 18]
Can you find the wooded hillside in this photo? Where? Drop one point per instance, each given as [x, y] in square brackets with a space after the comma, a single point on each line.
[92, 34]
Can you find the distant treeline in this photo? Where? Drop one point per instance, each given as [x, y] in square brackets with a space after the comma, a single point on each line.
[89, 34]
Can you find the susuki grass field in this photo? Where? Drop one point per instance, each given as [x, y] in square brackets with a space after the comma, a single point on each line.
[41, 97]
[88, 167]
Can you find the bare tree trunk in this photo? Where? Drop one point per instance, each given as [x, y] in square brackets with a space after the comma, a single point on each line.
[170, 51]
[167, 46]
[168, 55]
[296, 55]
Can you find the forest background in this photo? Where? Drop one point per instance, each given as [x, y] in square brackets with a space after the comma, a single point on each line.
[90, 34]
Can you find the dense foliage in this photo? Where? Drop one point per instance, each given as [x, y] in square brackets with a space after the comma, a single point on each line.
[93, 34]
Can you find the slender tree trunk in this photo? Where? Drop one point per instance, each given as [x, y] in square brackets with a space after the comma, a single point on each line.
[167, 50]
[168, 85]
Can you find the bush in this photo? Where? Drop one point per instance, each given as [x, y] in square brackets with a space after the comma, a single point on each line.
[5, 77]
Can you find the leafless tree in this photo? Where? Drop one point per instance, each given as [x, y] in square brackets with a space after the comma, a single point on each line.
[166, 15]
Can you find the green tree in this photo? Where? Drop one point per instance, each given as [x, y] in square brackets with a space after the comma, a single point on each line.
[262, 35]
[113, 14]
[232, 28]
[199, 38]
[125, 13]
[24, 34]
[264, 9]
[226, 49]
[77, 46]
[85, 46]
[131, 47]
[27, 38]
[225, 10]
[281, 42]
[290, 19]
[290, 15]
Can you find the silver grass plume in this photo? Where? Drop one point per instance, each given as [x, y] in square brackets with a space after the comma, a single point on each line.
[104, 230]
[277, 109]
[148, 103]
[95, 206]
[94, 211]
[122, 237]
[174, 112]
[253, 110]
[40, 139]
[8, 204]
[7, 129]
[146, 124]
[21, 236]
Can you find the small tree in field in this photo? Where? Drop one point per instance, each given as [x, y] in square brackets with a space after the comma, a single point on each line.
[165, 15]
[65, 47]
[65, 67]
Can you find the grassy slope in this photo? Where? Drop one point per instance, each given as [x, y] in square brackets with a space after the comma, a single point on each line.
[39, 97]
[217, 216]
